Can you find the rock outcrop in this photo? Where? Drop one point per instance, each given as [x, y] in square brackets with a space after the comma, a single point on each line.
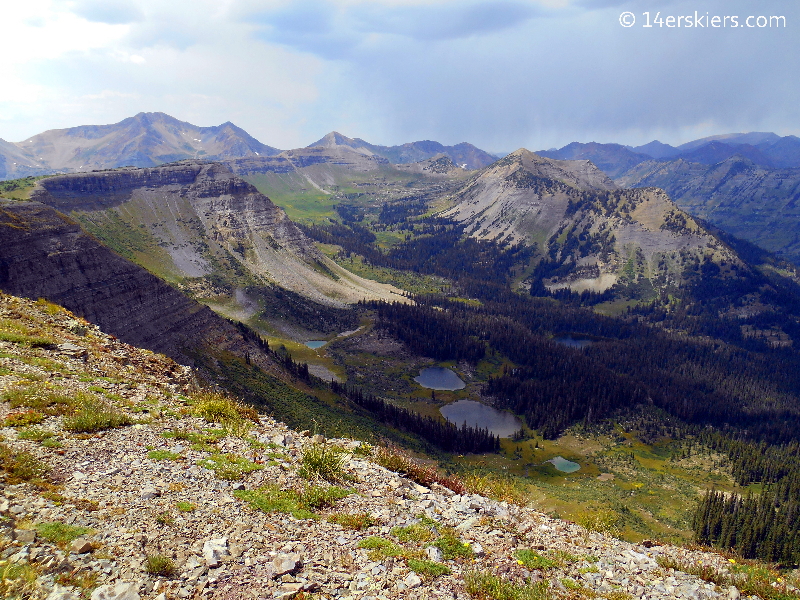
[192, 219]
[593, 234]
[44, 254]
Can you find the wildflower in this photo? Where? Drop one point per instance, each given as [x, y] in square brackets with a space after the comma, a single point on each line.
[730, 560]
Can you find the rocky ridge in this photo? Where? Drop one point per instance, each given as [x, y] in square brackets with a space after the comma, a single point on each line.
[152, 494]
[189, 219]
[592, 230]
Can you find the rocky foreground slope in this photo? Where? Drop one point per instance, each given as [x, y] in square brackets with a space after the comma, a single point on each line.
[122, 481]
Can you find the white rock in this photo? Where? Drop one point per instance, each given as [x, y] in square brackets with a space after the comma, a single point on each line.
[215, 550]
[285, 563]
[477, 549]
[62, 593]
[733, 593]
[412, 581]
[148, 493]
[120, 591]
[466, 525]
[433, 553]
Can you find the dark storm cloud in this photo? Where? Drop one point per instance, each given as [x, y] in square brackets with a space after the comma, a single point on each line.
[530, 78]
[443, 22]
[323, 29]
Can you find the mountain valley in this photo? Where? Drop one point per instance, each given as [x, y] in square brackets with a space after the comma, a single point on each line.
[338, 274]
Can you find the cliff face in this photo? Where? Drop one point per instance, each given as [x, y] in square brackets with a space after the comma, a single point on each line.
[45, 254]
[195, 219]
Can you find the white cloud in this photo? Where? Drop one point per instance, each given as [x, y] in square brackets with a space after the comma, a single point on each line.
[499, 74]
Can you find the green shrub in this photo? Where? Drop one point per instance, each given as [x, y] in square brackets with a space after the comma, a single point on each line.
[61, 534]
[24, 419]
[604, 521]
[229, 466]
[95, 415]
[321, 461]
[21, 466]
[427, 568]
[234, 416]
[157, 564]
[413, 533]
[451, 545]
[299, 504]
[163, 455]
[185, 506]
[36, 435]
[380, 548]
[51, 402]
[315, 497]
[18, 580]
[487, 586]
[534, 560]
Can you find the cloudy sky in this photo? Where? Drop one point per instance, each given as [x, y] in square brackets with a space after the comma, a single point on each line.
[500, 74]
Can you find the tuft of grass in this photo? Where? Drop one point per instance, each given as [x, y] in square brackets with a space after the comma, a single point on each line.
[534, 560]
[35, 434]
[323, 461]
[427, 568]
[95, 415]
[498, 488]
[380, 548]
[451, 545]
[486, 586]
[163, 455]
[413, 533]
[229, 466]
[48, 401]
[21, 466]
[84, 581]
[24, 419]
[164, 518]
[157, 564]
[357, 522]
[363, 449]
[18, 580]
[603, 520]
[235, 417]
[300, 504]
[185, 506]
[316, 497]
[61, 534]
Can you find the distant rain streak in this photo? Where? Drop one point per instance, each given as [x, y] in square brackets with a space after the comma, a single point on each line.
[706, 21]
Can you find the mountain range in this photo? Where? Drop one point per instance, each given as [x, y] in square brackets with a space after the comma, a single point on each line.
[764, 149]
[592, 234]
[150, 139]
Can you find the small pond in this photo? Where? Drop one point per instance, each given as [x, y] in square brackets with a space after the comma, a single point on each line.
[314, 344]
[564, 465]
[439, 378]
[573, 342]
[499, 422]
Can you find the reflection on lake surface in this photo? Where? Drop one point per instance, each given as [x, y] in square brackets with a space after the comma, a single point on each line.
[573, 342]
[498, 422]
[564, 465]
[439, 378]
[314, 344]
